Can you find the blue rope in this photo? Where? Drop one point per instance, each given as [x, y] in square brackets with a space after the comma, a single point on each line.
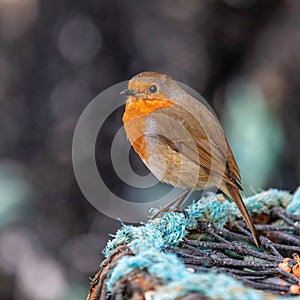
[180, 280]
[294, 205]
[149, 240]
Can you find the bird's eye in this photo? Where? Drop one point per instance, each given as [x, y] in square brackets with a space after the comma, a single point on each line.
[153, 89]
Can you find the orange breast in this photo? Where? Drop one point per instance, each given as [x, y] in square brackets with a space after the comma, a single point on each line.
[134, 119]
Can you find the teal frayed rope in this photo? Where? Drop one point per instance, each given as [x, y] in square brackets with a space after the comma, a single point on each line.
[149, 240]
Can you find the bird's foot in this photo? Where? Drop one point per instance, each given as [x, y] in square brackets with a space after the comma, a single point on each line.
[179, 200]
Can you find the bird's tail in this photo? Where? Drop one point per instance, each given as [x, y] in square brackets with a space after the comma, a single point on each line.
[233, 192]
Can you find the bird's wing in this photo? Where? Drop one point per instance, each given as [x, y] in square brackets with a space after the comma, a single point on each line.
[200, 141]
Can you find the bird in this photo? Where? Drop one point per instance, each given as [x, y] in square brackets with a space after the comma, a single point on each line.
[180, 139]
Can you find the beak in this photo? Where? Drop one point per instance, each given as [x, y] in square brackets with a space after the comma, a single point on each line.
[129, 92]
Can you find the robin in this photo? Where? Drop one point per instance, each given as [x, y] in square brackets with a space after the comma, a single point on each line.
[180, 140]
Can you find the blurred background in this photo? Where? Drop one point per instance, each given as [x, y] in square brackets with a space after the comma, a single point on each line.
[243, 56]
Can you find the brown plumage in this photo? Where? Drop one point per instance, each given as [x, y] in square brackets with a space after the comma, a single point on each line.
[179, 139]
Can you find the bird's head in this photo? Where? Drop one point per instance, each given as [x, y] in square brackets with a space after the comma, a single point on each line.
[151, 86]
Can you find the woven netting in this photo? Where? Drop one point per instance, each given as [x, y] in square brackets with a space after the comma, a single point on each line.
[207, 252]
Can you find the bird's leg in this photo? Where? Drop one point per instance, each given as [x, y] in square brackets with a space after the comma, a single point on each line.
[181, 201]
[180, 198]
